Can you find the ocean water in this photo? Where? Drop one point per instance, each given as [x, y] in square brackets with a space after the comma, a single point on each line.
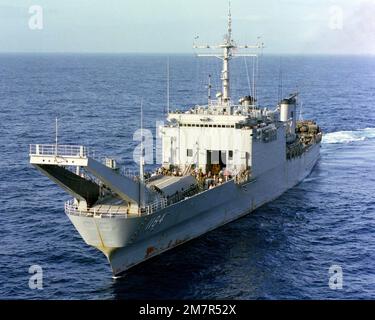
[283, 250]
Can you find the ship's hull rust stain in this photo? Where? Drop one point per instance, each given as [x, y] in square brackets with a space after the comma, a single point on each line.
[150, 251]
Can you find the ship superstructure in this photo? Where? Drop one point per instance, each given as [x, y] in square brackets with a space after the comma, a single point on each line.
[220, 161]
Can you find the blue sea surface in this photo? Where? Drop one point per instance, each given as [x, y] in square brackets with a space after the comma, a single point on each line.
[282, 250]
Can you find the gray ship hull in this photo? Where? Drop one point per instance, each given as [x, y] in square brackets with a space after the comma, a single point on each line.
[127, 242]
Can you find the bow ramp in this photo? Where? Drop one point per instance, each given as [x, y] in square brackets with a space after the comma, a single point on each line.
[54, 161]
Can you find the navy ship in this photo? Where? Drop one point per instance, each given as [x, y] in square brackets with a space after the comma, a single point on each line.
[220, 161]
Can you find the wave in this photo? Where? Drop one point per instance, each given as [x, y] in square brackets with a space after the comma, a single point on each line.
[348, 136]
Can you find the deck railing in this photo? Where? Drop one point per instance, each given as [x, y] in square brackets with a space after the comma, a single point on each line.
[109, 211]
[156, 205]
[101, 211]
[60, 150]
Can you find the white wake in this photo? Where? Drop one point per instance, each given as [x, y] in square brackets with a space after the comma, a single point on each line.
[348, 136]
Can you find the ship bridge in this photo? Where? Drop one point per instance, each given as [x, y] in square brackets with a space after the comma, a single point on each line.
[217, 138]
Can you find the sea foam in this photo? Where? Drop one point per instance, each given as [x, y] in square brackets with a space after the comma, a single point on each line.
[348, 136]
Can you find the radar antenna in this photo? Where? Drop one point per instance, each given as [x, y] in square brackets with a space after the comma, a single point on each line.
[227, 46]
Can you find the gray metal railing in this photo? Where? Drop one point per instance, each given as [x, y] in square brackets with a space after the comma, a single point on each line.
[108, 211]
[101, 211]
[156, 205]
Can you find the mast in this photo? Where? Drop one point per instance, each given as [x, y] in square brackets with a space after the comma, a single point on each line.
[56, 135]
[227, 46]
[141, 169]
[227, 54]
[141, 163]
[168, 87]
[209, 86]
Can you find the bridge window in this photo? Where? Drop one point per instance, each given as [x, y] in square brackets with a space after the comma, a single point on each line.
[230, 155]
